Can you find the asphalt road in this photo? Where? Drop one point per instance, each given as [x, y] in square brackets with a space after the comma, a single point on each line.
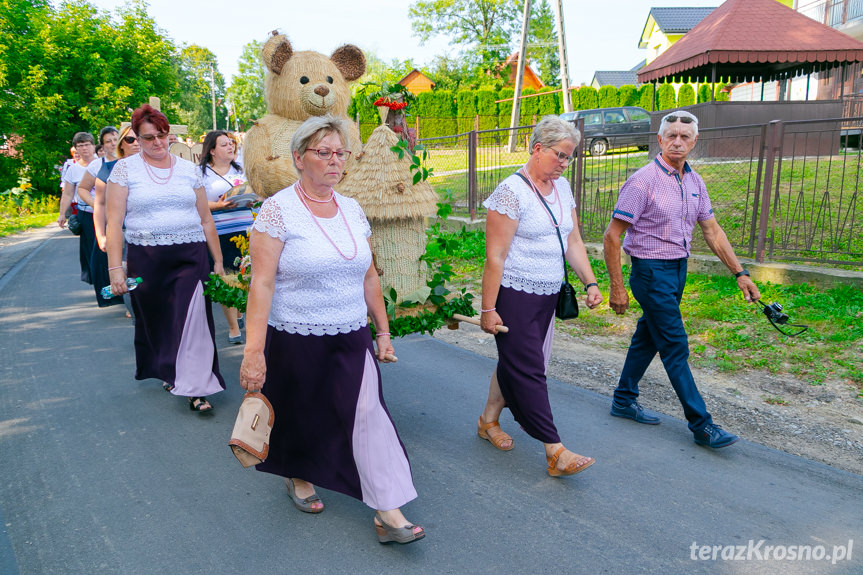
[100, 473]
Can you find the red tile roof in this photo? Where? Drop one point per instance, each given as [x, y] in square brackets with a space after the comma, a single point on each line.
[750, 39]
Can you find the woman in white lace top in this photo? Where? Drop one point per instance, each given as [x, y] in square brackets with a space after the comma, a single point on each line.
[309, 348]
[520, 284]
[168, 230]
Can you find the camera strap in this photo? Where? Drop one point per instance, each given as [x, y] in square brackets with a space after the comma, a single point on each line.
[779, 329]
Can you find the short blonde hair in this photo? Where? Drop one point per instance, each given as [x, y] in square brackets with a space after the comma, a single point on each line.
[123, 133]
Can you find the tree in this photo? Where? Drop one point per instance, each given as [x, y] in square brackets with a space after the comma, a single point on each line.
[73, 69]
[246, 92]
[482, 28]
[607, 97]
[195, 106]
[685, 95]
[665, 97]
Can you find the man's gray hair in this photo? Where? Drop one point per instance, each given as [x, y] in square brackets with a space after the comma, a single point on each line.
[551, 130]
[316, 129]
[674, 117]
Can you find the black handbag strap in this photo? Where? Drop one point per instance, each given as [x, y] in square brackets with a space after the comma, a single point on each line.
[556, 226]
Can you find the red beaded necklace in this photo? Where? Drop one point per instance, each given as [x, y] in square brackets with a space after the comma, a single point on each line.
[157, 179]
[332, 197]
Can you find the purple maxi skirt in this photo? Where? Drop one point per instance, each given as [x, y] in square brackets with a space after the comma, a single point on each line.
[523, 355]
[332, 427]
[174, 331]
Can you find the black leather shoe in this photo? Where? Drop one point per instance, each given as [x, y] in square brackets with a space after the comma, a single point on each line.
[714, 436]
[634, 412]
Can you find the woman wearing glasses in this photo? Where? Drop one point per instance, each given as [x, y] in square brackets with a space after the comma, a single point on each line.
[308, 345]
[168, 229]
[520, 284]
[220, 172]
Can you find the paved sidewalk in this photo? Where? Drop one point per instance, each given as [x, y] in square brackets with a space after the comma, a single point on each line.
[101, 474]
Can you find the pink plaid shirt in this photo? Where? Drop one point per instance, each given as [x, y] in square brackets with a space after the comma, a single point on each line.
[662, 209]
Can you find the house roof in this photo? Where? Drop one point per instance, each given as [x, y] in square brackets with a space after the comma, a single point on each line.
[411, 75]
[512, 61]
[753, 39]
[673, 21]
[616, 78]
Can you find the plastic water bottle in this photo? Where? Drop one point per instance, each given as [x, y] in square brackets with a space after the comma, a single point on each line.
[131, 283]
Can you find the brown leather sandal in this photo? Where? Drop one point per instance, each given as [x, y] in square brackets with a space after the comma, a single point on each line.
[570, 469]
[497, 435]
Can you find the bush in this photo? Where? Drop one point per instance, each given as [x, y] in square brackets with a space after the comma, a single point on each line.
[721, 96]
[645, 97]
[573, 99]
[627, 96]
[504, 109]
[703, 93]
[465, 102]
[369, 117]
[607, 97]
[549, 104]
[487, 109]
[686, 95]
[529, 108]
[665, 98]
[587, 98]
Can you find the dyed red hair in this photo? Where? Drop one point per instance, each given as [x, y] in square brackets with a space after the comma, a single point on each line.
[147, 113]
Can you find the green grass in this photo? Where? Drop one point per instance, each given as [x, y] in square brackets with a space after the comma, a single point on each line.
[725, 333]
[22, 211]
[818, 210]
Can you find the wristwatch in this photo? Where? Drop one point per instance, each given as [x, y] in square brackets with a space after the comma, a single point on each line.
[588, 286]
[743, 272]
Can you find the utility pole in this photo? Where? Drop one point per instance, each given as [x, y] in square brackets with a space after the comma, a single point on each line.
[519, 78]
[561, 47]
[213, 94]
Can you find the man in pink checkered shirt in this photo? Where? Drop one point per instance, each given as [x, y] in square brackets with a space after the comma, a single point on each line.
[657, 209]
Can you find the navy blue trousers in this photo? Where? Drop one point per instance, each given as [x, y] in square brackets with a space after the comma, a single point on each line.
[658, 285]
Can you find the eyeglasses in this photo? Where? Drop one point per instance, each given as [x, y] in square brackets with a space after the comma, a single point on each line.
[325, 154]
[130, 139]
[671, 118]
[561, 157]
[151, 137]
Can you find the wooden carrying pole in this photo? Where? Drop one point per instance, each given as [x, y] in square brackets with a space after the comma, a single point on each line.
[474, 321]
[519, 78]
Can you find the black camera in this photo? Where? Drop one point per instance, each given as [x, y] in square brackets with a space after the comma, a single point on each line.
[775, 314]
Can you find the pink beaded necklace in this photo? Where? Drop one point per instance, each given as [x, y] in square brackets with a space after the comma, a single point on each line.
[540, 197]
[157, 179]
[304, 195]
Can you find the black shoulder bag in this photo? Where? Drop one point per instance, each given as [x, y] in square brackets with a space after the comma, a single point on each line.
[567, 300]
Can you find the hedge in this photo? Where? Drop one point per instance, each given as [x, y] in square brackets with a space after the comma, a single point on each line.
[627, 96]
[685, 95]
[607, 97]
[487, 109]
[587, 98]
[504, 109]
[529, 108]
[703, 93]
[549, 104]
[645, 97]
[665, 98]
[465, 101]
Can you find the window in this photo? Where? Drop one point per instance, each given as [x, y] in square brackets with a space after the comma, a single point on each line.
[592, 119]
[638, 116]
[614, 118]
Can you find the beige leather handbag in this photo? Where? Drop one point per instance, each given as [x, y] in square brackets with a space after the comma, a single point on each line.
[250, 440]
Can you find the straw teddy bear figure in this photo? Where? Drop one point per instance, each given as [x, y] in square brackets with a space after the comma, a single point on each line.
[298, 85]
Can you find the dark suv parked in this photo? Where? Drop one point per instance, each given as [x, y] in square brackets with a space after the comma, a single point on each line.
[608, 128]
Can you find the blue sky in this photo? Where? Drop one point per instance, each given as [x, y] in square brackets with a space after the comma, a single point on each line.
[601, 34]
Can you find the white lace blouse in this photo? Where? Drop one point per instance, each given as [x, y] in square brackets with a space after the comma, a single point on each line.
[534, 263]
[317, 291]
[158, 215]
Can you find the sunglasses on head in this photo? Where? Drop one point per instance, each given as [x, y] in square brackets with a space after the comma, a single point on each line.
[130, 139]
[670, 119]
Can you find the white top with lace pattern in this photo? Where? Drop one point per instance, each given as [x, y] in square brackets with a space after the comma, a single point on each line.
[317, 291]
[534, 263]
[158, 215]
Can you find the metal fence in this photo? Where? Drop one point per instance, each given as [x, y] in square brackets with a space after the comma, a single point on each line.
[781, 191]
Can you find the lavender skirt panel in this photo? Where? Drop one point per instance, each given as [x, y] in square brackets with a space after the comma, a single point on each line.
[332, 427]
[174, 330]
[523, 357]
